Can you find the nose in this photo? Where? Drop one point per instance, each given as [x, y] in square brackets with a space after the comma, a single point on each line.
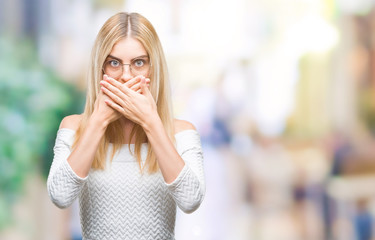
[126, 73]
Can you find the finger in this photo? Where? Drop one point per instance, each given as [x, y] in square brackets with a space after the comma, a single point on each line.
[136, 87]
[114, 106]
[144, 87]
[122, 87]
[147, 81]
[113, 96]
[113, 89]
[133, 81]
[111, 81]
[139, 90]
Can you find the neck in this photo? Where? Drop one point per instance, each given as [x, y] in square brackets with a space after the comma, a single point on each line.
[127, 127]
[126, 123]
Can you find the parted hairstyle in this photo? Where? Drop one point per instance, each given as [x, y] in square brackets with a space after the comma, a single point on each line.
[116, 28]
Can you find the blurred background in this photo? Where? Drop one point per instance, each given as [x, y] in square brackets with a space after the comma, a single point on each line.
[281, 91]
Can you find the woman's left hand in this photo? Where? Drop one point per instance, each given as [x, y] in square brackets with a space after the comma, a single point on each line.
[137, 106]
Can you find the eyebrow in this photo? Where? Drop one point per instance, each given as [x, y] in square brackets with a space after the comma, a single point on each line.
[118, 59]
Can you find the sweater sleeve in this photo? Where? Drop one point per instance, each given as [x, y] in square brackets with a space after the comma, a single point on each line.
[63, 184]
[188, 188]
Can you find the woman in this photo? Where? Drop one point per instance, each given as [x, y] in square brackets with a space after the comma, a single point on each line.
[125, 157]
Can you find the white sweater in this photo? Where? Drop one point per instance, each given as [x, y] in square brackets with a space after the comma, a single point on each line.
[121, 203]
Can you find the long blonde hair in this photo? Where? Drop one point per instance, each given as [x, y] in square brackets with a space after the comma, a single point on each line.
[118, 27]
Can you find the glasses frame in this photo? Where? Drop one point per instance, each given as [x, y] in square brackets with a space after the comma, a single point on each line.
[130, 68]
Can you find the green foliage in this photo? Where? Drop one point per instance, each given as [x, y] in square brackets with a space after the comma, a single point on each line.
[33, 100]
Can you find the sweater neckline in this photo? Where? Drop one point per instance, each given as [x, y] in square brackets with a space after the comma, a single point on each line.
[177, 135]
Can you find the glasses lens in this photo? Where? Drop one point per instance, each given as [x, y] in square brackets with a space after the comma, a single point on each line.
[113, 68]
[140, 66]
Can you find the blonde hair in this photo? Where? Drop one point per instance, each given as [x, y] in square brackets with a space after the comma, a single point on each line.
[118, 27]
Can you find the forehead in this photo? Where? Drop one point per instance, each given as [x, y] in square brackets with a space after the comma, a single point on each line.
[128, 48]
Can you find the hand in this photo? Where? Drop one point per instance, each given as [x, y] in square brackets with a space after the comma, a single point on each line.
[137, 105]
[135, 83]
[103, 111]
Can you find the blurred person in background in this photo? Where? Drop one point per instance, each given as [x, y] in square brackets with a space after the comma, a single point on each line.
[126, 158]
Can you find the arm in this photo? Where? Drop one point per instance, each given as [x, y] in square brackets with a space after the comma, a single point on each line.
[188, 187]
[83, 155]
[70, 168]
[169, 161]
[63, 184]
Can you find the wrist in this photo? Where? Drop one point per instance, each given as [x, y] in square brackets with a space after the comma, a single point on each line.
[152, 123]
[98, 122]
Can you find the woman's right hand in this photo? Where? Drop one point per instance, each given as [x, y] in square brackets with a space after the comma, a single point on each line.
[102, 111]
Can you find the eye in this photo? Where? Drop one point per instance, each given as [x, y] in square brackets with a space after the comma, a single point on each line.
[139, 63]
[114, 63]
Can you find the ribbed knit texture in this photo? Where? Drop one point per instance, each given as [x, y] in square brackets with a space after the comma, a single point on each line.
[120, 202]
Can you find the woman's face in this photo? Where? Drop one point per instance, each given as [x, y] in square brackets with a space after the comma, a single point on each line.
[127, 60]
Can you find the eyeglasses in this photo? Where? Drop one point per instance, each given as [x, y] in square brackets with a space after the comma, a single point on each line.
[115, 68]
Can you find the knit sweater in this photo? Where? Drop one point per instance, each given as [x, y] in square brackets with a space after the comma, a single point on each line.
[122, 203]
